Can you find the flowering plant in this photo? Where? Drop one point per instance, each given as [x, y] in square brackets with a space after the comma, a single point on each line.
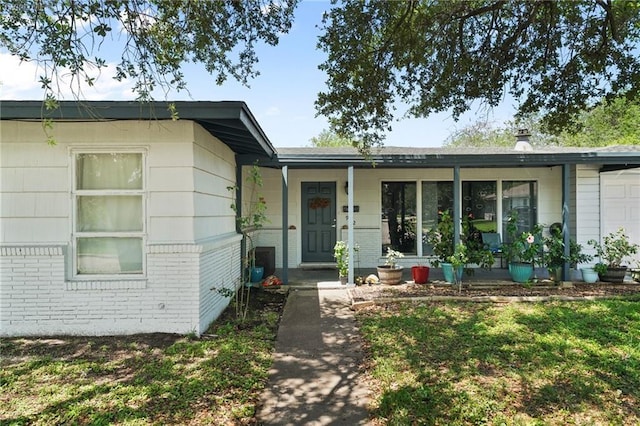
[391, 257]
[523, 246]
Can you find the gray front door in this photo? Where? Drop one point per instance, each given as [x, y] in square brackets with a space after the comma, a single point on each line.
[318, 221]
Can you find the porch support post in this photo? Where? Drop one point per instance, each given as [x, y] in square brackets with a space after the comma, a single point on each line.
[566, 234]
[238, 202]
[456, 205]
[350, 223]
[285, 224]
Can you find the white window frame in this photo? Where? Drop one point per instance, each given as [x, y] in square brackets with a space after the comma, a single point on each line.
[76, 193]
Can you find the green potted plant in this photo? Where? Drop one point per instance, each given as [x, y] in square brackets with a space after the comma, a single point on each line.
[458, 260]
[612, 252]
[554, 257]
[341, 254]
[441, 238]
[391, 272]
[478, 253]
[522, 250]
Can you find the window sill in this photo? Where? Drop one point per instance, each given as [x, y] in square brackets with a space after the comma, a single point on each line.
[106, 284]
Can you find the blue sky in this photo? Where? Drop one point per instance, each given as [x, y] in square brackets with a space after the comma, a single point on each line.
[281, 97]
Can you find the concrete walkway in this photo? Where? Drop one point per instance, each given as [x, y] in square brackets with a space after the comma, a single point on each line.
[316, 377]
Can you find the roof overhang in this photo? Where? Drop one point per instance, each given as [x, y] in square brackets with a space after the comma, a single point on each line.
[230, 121]
[393, 157]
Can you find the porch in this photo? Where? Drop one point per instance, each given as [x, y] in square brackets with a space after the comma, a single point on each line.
[485, 286]
[327, 276]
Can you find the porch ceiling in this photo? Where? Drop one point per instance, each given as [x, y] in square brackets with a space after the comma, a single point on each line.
[230, 121]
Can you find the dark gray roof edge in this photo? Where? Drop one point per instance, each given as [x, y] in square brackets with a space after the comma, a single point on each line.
[134, 110]
[120, 110]
[444, 159]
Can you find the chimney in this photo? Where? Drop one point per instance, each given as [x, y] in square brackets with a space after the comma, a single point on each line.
[522, 141]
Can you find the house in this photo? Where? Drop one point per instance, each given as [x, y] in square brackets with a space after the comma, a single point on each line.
[125, 226]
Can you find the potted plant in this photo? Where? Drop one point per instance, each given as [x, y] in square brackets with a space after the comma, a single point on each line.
[458, 260]
[341, 254]
[554, 257]
[391, 272]
[614, 249]
[522, 249]
[477, 251]
[440, 238]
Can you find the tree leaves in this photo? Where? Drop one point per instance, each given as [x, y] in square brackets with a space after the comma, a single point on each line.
[155, 37]
[554, 57]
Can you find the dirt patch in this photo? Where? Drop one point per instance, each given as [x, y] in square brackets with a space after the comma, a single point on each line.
[262, 302]
[372, 293]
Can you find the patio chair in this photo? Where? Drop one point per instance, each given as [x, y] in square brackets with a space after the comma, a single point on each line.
[493, 242]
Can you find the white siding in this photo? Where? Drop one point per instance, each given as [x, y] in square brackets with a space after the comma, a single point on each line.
[620, 200]
[587, 205]
[191, 241]
[214, 171]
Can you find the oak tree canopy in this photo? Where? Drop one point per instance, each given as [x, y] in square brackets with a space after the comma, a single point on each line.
[385, 59]
[556, 58]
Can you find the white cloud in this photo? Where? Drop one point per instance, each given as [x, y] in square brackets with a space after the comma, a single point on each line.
[20, 81]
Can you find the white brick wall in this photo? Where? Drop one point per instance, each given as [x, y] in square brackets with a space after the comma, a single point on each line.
[35, 299]
[370, 242]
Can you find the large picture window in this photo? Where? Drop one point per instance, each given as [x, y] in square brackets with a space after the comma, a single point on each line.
[437, 197]
[520, 197]
[108, 213]
[479, 204]
[399, 218]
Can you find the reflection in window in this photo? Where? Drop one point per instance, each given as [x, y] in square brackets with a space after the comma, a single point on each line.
[108, 214]
[399, 217]
[520, 197]
[436, 197]
[479, 204]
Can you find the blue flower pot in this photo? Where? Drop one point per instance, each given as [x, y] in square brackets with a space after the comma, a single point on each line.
[589, 275]
[256, 273]
[447, 271]
[521, 272]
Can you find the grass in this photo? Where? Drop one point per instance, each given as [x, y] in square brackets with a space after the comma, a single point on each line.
[139, 380]
[516, 364]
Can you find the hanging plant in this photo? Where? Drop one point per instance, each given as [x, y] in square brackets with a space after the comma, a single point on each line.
[319, 203]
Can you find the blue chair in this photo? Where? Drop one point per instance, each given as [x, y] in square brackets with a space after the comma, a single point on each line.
[493, 242]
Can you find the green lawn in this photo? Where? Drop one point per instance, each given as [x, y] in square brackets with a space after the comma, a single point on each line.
[140, 380]
[517, 364]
